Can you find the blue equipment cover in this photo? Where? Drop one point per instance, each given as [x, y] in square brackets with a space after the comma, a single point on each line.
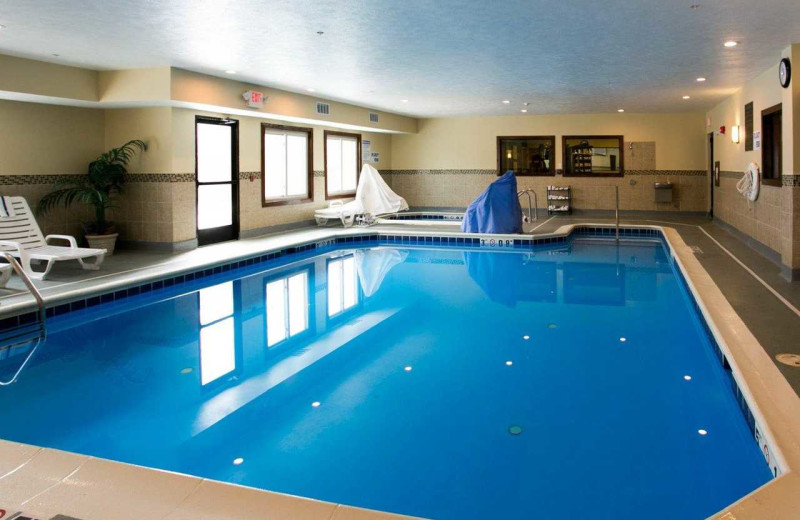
[496, 210]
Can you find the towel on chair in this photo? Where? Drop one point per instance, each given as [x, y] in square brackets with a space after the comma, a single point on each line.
[6, 210]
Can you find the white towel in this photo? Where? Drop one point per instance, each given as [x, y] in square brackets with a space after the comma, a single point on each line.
[6, 209]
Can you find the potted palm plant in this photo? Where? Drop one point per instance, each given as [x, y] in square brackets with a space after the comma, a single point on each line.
[98, 189]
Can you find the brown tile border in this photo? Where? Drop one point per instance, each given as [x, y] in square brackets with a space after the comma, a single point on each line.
[677, 173]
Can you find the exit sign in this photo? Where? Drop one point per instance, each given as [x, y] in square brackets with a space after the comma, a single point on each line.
[254, 98]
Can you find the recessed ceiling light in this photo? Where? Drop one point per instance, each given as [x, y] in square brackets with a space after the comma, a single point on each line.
[56, 55]
[702, 432]
[310, 90]
[230, 72]
[316, 404]
[523, 111]
[687, 97]
[701, 79]
[404, 101]
[620, 110]
[505, 101]
[408, 368]
[694, 7]
[687, 378]
[730, 43]
[623, 340]
[320, 32]
[509, 363]
[526, 337]
[238, 461]
[526, 103]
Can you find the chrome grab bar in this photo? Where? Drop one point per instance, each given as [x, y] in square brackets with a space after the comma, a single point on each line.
[28, 283]
[532, 215]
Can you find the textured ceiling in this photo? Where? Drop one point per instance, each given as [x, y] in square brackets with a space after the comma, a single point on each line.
[446, 57]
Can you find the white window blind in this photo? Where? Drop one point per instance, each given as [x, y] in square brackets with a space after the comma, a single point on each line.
[285, 165]
[342, 164]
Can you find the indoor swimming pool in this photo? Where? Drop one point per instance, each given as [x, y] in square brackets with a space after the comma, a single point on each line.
[572, 380]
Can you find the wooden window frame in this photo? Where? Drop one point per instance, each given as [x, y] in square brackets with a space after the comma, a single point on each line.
[767, 112]
[565, 162]
[349, 194]
[310, 165]
[551, 171]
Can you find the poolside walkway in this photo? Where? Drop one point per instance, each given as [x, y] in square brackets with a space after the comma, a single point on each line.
[766, 302]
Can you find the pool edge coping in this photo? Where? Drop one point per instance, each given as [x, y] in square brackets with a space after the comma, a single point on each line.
[769, 395]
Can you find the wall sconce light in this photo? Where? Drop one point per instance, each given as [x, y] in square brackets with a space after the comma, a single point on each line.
[735, 134]
[508, 155]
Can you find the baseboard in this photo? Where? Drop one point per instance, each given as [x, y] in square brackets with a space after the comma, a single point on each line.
[141, 245]
[268, 230]
[791, 275]
[765, 251]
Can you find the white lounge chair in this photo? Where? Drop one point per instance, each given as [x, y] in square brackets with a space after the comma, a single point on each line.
[20, 235]
[373, 196]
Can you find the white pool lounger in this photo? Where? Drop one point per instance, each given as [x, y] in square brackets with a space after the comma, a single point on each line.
[373, 197]
[21, 237]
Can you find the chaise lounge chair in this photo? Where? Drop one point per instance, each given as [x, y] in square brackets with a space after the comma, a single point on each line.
[21, 237]
[373, 196]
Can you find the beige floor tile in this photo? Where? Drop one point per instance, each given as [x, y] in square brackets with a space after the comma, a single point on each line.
[219, 501]
[106, 490]
[13, 455]
[46, 469]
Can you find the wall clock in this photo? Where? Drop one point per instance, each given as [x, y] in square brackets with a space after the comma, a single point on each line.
[785, 72]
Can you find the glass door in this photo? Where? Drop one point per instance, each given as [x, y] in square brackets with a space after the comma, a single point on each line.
[217, 178]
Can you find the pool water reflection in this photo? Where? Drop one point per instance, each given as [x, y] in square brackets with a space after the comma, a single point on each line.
[442, 383]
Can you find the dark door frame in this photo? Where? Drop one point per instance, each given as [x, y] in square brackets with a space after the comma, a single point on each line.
[711, 173]
[223, 233]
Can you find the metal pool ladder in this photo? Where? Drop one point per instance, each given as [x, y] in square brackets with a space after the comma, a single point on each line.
[534, 215]
[21, 335]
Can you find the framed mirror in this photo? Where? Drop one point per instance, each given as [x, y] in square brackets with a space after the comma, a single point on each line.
[593, 155]
[526, 155]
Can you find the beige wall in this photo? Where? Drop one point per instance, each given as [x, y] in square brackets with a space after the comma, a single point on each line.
[151, 125]
[40, 78]
[773, 219]
[252, 215]
[665, 147]
[48, 139]
[191, 87]
[470, 142]
[39, 142]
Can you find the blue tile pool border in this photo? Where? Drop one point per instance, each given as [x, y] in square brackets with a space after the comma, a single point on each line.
[402, 239]
[378, 238]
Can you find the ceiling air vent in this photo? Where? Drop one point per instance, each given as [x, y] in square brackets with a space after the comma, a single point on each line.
[323, 108]
[373, 117]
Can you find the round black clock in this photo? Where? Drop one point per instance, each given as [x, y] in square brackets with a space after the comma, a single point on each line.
[785, 72]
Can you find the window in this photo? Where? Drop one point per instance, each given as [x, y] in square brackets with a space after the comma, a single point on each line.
[593, 155]
[526, 155]
[217, 339]
[342, 164]
[342, 285]
[772, 145]
[286, 165]
[287, 307]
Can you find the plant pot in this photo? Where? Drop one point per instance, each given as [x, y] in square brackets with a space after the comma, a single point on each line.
[106, 242]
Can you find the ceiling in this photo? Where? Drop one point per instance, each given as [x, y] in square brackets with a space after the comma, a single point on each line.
[446, 57]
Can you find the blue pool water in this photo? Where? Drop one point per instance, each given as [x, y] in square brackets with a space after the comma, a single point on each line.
[443, 383]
